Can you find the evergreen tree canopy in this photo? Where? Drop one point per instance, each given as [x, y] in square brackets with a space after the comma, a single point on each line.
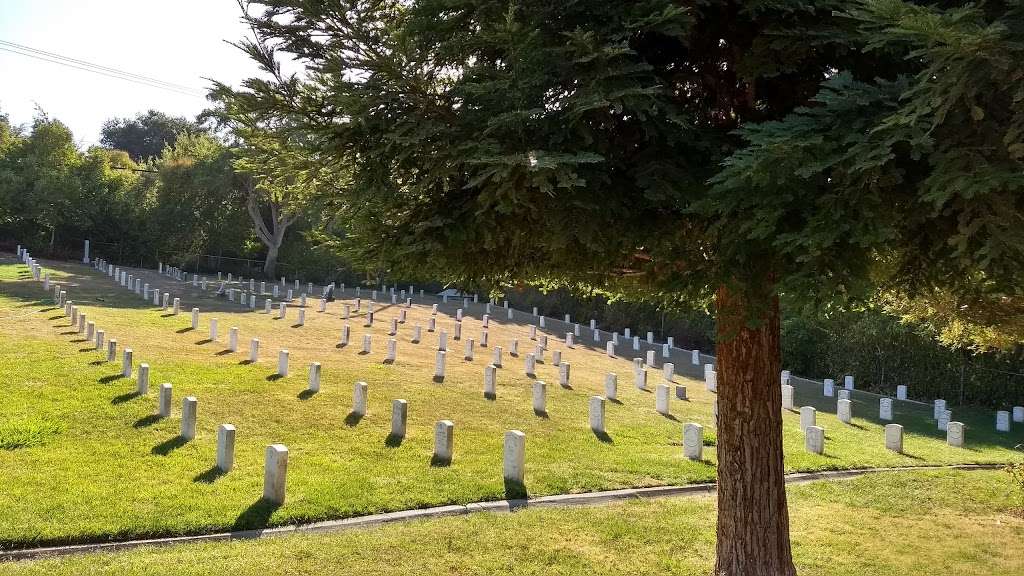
[729, 149]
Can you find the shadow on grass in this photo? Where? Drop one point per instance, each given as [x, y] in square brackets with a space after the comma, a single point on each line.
[167, 446]
[223, 352]
[57, 317]
[541, 413]
[615, 401]
[353, 419]
[256, 516]
[393, 440]
[146, 421]
[603, 436]
[297, 325]
[387, 361]
[274, 377]
[203, 341]
[50, 309]
[912, 456]
[490, 396]
[670, 417]
[531, 374]
[122, 398]
[363, 352]
[209, 476]
[97, 362]
[306, 394]
[69, 333]
[438, 462]
[78, 340]
[89, 349]
[184, 330]
[514, 490]
[168, 315]
[111, 378]
[438, 379]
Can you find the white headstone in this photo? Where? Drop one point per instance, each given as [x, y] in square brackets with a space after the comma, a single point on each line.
[531, 364]
[359, 397]
[693, 441]
[399, 418]
[808, 417]
[611, 386]
[597, 414]
[885, 409]
[142, 385]
[444, 441]
[189, 407]
[233, 339]
[901, 392]
[1002, 421]
[563, 374]
[844, 410]
[894, 437]
[126, 363]
[165, 400]
[848, 382]
[787, 397]
[955, 434]
[439, 364]
[275, 471]
[254, 350]
[514, 461]
[814, 439]
[937, 407]
[661, 401]
[829, 387]
[225, 447]
[640, 379]
[367, 343]
[540, 393]
[1018, 413]
[282, 363]
[314, 377]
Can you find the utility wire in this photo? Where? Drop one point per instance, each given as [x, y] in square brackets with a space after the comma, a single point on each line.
[109, 72]
[98, 66]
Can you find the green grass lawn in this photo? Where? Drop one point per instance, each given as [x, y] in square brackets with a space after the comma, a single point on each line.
[899, 524]
[84, 459]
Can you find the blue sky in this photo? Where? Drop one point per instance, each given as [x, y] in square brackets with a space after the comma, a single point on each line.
[178, 41]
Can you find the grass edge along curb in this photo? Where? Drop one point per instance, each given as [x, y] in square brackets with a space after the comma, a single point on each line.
[554, 501]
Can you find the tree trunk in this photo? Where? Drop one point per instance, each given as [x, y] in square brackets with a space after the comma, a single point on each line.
[270, 264]
[753, 520]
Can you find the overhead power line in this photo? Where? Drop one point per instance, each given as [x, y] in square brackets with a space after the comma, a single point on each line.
[99, 69]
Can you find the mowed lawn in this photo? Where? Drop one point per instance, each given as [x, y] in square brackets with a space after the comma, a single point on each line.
[84, 459]
[885, 524]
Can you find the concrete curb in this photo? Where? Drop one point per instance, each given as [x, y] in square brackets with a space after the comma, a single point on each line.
[555, 501]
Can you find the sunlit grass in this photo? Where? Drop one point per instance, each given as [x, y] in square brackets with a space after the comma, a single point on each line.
[116, 471]
[888, 524]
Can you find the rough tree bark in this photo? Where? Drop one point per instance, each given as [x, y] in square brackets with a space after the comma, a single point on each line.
[753, 519]
[273, 235]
